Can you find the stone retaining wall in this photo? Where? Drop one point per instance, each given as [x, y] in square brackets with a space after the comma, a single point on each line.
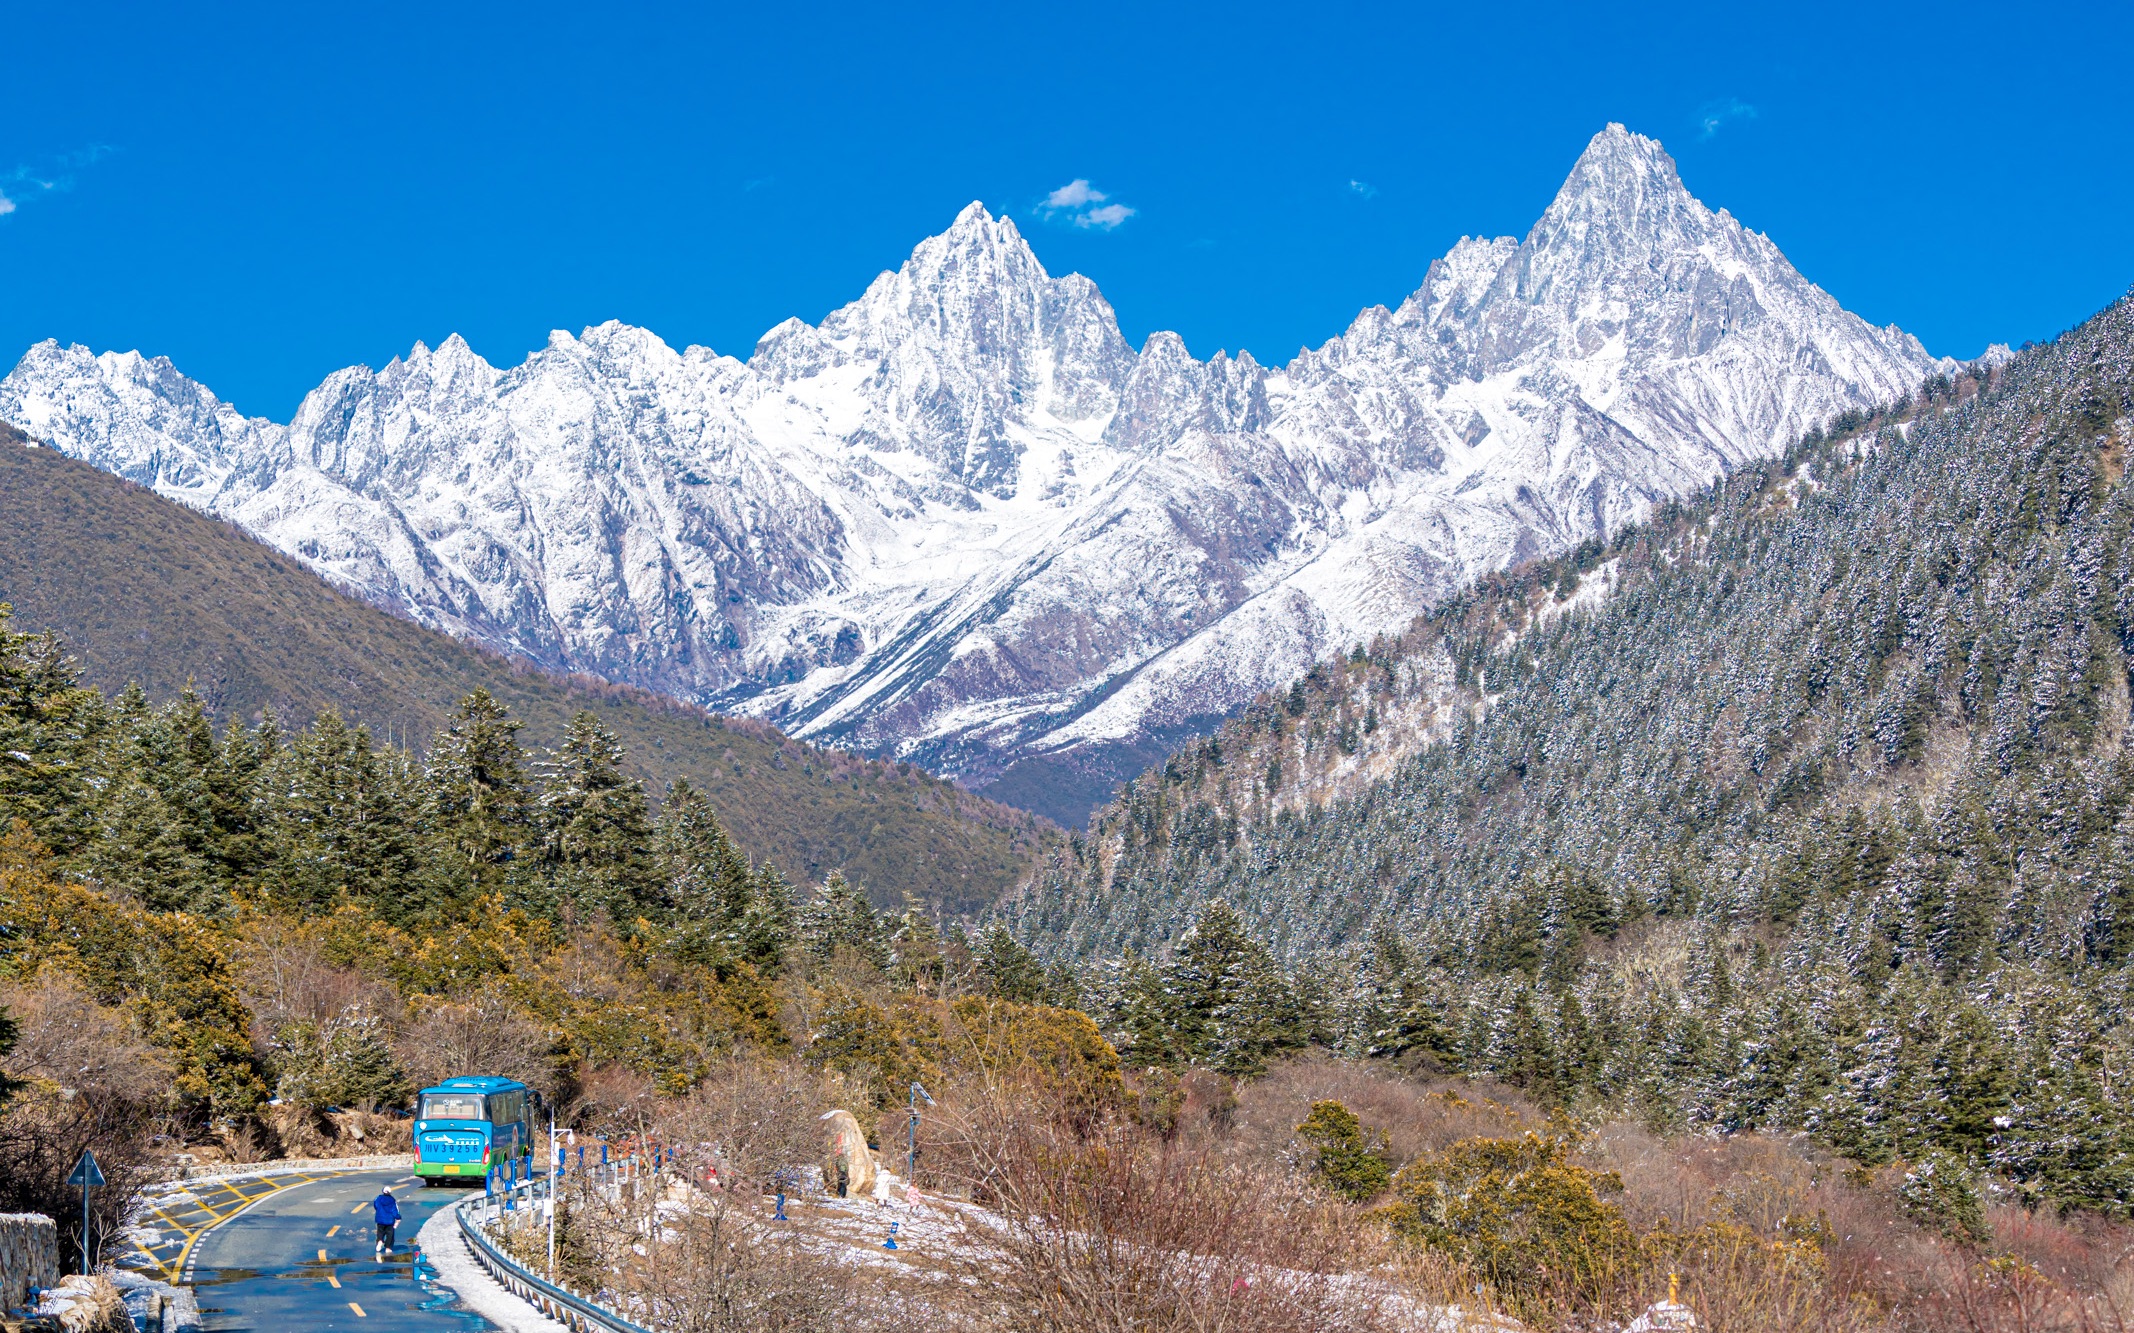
[29, 1257]
[280, 1166]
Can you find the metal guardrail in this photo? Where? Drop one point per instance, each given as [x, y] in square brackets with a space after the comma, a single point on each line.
[565, 1307]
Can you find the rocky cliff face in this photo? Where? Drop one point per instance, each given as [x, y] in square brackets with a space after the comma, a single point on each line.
[962, 521]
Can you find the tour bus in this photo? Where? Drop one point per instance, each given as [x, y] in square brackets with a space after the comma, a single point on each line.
[465, 1126]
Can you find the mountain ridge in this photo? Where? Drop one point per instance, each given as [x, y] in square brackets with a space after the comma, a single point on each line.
[962, 521]
[144, 590]
[1914, 617]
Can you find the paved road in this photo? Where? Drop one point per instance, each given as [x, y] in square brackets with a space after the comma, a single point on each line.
[302, 1258]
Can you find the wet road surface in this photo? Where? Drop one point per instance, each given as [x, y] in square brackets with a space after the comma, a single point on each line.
[303, 1258]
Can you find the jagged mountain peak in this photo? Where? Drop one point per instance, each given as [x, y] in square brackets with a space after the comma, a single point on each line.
[1618, 157]
[967, 346]
[962, 520]
[1623, 207]
[979, 260]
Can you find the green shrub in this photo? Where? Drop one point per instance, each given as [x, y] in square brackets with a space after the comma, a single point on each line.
[1351, 1163]
[1518, 1212]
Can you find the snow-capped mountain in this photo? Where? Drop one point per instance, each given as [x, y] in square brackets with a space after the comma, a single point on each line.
[963, 521]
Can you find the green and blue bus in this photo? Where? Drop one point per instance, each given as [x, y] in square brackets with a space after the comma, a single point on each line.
[466, 1126]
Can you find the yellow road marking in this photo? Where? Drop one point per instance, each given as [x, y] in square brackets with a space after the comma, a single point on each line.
[358, 1309]
[322, 1256]
[358, 1208]
[215, 1217]
[168, 1219]
[332, 1280]
[335, 1227]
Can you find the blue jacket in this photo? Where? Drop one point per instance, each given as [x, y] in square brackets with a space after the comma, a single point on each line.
[387, 1208]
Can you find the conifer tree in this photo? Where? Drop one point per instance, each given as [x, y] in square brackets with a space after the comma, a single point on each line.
[480, 805]
[595, 827]
[338, 824]
[708, 877]
[841, 917]
[1007, 969]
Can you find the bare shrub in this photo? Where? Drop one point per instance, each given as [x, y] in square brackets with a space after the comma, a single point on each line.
[67, 1040]
[483, 1034]
[1119, 1229]
[324, 1030]
[750, 1117]
[611, 1100]
[718, 1269]
[1414, 1115]
[90, 1083]
[716, 1266]
[286, 979]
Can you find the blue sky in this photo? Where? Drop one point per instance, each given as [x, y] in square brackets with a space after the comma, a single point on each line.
[265, 195]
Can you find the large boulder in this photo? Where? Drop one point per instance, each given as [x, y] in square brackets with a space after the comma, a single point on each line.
[848, 1163]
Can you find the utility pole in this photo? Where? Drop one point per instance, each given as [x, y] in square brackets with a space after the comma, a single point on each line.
[555, 1158]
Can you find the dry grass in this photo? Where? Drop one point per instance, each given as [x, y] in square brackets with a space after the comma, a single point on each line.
[1414, 1116]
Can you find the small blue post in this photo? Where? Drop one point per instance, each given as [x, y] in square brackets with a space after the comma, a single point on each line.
[603, 1152]
[581, 1157]
[780, 1214]
[891, 1243]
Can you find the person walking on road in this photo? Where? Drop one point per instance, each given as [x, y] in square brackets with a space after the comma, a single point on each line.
[387, 1210]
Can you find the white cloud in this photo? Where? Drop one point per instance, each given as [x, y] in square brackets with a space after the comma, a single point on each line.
[1364, 189]
[1080, 204]
[1074, 194]
[1712, 115]
[1105, 218]
[33, 183]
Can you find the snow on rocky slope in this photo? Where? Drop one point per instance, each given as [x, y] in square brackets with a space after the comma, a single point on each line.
[962, 521]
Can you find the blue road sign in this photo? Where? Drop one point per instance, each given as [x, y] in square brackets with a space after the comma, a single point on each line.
[86, 1171]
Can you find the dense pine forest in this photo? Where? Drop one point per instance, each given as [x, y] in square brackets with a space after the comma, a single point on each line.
[212, 937]
[1805, 805]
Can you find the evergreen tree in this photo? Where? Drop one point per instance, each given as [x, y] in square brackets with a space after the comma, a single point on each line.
[338, 828]
[595, 827]
[480, 807]
[708, 877]
[1007, 969]
[842, 918]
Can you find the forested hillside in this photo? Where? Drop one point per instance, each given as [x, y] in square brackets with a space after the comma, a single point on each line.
[142, 590]
[1804, 805]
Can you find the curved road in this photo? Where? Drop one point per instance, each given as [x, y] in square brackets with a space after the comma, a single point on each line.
[303, 1258]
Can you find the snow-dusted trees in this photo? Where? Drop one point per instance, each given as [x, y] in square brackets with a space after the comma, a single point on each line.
[1810, 812]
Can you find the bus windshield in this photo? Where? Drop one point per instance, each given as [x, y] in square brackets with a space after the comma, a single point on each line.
[452, 1106]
